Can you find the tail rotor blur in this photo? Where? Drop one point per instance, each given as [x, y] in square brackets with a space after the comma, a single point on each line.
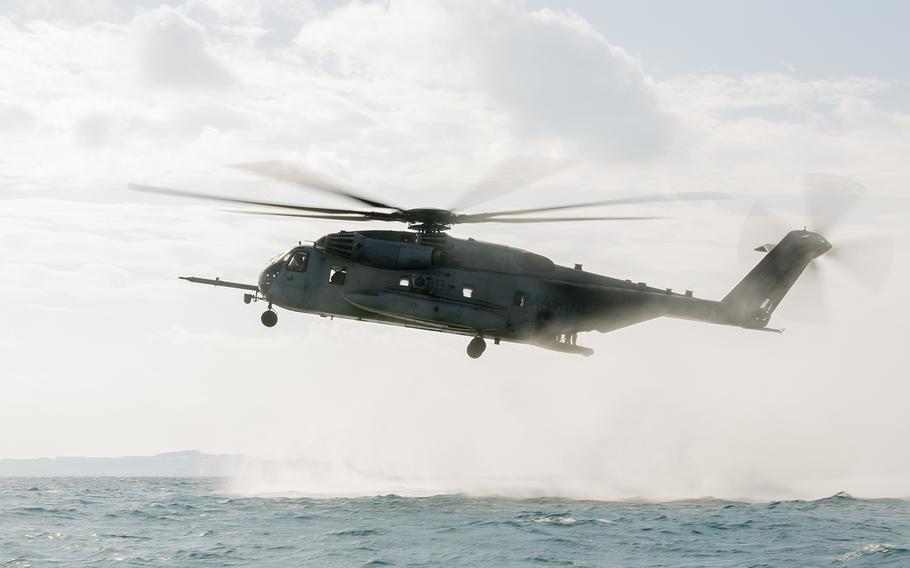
[829, 200]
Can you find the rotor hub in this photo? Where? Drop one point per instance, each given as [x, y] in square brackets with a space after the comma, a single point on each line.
[428, 220]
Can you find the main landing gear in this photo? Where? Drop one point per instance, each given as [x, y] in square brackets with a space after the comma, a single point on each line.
[269, 318]
[476, 347]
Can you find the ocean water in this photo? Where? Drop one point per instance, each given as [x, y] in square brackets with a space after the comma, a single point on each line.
[197, 522]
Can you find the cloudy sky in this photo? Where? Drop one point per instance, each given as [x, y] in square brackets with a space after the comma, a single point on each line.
[105, 352]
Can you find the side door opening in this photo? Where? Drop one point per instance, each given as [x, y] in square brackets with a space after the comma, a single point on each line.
[338, 275]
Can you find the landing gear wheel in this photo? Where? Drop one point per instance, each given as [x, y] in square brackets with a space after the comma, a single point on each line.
[269, 318]
[476, 347]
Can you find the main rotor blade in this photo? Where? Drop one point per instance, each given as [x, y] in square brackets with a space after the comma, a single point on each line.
[296, 174]
[209, 197]
[691, 196]
[511, 175]
[552, 219]
[829, 199]
[308, 216]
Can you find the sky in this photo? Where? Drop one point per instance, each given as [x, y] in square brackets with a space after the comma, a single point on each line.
[105, 352]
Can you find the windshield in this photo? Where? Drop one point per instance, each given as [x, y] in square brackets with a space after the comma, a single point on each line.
[281, 257]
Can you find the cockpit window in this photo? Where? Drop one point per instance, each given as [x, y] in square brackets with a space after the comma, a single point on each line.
[299, 261]
[281, 257]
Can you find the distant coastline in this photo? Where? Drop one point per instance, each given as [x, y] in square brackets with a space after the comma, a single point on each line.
[191, 463]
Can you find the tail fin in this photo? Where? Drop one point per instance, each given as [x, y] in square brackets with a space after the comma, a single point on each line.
[754, 299]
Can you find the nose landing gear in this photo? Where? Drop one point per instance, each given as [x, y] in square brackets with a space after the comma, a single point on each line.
[476, 347]
[269, 318]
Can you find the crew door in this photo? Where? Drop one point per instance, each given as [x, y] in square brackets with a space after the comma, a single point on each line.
[296, 275]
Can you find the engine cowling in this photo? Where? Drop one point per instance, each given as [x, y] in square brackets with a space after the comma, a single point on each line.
[400, 256]
[382, 253]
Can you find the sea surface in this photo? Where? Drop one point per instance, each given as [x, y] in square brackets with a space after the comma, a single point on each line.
[197, 522]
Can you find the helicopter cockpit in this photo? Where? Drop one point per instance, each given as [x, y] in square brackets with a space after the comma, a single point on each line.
[298, 261]
[295, 259]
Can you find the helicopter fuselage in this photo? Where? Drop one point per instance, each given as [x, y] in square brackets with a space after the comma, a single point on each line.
[433, 281]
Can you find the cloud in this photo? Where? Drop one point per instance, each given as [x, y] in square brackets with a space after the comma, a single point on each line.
[173, 52]
[564, 79]
[77, 11]
[15, 118]
[555, 77]
[762, 92]
[413, 95]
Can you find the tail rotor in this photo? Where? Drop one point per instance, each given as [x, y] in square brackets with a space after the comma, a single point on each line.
[829, 201]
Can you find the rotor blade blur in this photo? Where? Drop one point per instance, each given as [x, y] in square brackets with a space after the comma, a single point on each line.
[807, 300]
[308, 216]
[759, 228]
[511, 175]
[553, 219]
[693, 196]
[196, 195]
[829, 198]
[867, 260]
[293, 173]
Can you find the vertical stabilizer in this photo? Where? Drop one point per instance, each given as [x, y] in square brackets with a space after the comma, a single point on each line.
[755, 298]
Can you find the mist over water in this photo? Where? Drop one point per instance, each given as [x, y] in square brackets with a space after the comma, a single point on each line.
[344, 480]
[743, 416]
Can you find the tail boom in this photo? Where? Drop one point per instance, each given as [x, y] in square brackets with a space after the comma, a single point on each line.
[751, 302]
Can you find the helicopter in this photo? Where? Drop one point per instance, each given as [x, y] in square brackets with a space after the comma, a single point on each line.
[423, 278]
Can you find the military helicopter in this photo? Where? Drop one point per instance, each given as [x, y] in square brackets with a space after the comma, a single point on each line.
[423, 278]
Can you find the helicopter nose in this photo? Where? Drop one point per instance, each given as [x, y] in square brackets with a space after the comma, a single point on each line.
[267, 277]
[264, 282]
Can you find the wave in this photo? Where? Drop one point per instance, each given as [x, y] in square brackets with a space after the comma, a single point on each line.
[48, 535]
[195, 524]
[839, 497]
[520, 492]
[563, 520]
[357, 532]
[881, 549]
